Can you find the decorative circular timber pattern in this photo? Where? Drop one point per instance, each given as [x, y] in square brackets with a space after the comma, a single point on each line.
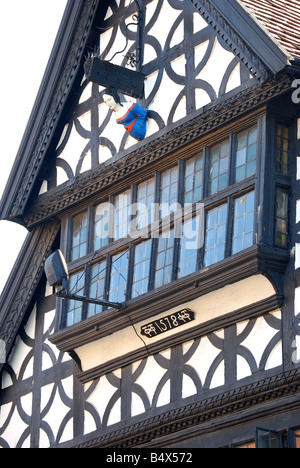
[175, 63]
[47, 406]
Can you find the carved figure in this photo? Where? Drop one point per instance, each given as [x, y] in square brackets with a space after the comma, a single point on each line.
[130, 115]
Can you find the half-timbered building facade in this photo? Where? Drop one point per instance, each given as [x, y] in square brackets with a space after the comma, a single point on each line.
[187, 236]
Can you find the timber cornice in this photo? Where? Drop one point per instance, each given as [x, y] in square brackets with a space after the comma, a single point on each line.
[179, 138]
[271, 394]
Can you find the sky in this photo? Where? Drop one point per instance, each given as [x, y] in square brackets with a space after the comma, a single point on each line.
[27, 33]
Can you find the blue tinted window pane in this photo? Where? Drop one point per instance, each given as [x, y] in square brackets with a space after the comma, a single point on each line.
[194, 179]
[245, 160]
[164, 260]
[168, 190]
[219, 167]
[243, 224]
[79, 236]
[97, 287]
[122, 214]
[118, 277]
[74, 308]
[145, 200]
[215, 235]
[188, 248]
[141, 268]
[101, 226]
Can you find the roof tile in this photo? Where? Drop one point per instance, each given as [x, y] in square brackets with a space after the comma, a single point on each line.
[281, 18]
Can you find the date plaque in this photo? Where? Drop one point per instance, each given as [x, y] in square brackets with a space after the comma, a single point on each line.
[170, 322]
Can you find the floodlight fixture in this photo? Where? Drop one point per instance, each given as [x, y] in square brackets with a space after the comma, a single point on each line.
[56, 270]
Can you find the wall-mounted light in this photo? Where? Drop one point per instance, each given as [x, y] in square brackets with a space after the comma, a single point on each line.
[56, 270]
[57, 275]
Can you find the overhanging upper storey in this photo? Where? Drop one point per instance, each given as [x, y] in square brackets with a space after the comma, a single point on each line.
[204, 63]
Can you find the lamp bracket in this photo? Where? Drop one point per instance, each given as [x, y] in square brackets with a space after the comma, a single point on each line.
[64, 295]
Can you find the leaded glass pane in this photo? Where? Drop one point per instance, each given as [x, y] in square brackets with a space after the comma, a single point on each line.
[243, 224]
[101, 226]
[118, 277]
[219, 167]
[74, 308]
[246, 154]
[215, 235]
[79, 236]
[97, 287]
[194, 179]
[164, 259]
[141, 268]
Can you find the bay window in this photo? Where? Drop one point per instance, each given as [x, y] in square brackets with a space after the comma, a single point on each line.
[182, 218]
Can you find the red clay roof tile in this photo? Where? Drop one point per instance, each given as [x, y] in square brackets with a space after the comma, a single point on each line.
[281, 18]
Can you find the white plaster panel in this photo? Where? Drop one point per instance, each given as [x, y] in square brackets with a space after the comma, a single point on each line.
[89, 423]
[30, 325]
[219, 376]
[275, 357]
[198, 22]
[234, 80]
[16, 360]
[156, 372]
[164, 396]
[161, 28]
[58, 409]
[165, 97]
[74, 148]
[296, 351]
[214, 70]
[243, 368]
[100, 399]
[15, 429]
[188, 387]
[257, 341]
[203, 358]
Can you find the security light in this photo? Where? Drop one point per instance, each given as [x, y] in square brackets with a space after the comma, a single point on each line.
[56, 271]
